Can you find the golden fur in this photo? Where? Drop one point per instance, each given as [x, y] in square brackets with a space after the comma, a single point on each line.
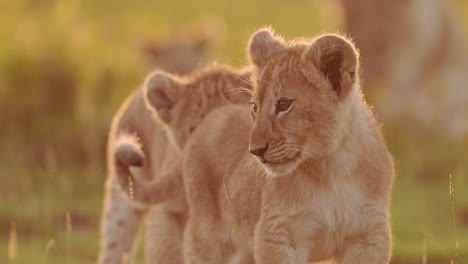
[134, 136]
[182, 103]
[320, 188]
[136, 160]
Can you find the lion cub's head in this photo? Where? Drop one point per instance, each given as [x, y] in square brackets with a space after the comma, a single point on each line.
[303, 92]
[182, 103]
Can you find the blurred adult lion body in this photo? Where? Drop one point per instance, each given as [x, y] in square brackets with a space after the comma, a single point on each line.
[408, 45]
[321, 189]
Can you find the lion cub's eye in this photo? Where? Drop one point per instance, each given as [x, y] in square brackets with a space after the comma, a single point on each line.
[283, 104]
[254, 108]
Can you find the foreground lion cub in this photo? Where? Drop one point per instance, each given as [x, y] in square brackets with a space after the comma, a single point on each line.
[321, 186]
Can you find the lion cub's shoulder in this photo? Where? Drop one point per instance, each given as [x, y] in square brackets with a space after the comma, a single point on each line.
[218, 130]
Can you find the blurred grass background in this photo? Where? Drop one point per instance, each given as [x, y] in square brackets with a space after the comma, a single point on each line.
[65, 67]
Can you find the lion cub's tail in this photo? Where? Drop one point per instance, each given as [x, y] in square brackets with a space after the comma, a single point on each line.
[128, 153]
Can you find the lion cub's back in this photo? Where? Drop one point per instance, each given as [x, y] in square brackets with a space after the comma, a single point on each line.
[217, 146]
[223, 136]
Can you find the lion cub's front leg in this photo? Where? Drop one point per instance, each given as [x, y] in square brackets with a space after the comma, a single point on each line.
[277, 242]
[373, 247]
[202, 243]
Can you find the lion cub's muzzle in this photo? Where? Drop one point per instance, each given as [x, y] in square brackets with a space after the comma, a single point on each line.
[259, 152]
[275, 154]
[278, 160]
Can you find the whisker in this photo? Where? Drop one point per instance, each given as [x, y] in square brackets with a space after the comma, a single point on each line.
[247, 79]
[298, 148]
[242, 90]
[255, 165]
[304, 152]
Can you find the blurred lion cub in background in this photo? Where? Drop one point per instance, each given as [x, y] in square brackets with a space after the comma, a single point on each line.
[120, 221]
[134, 124]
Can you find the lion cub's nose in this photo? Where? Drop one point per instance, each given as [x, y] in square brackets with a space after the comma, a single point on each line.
[259, 151]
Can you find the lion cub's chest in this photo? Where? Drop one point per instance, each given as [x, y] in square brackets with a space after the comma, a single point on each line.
[335, 213]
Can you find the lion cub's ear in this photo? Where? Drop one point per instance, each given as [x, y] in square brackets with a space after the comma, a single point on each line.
[161, 94]
[263, 45]
[336, 59]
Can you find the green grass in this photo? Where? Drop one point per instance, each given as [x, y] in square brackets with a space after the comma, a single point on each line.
[65, 66]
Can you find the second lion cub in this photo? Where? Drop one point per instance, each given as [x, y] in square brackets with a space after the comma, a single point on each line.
[319, 185]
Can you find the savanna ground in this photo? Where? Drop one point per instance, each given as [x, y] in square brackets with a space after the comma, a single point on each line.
[65, 66]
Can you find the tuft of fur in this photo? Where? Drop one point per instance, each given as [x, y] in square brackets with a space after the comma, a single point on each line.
[320, 186]
[128, 151]
[128, 155]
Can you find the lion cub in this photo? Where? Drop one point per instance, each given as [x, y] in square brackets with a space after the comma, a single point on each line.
[134, 133]
[134, 130]
[316, 183]
[182, 103]
[149, 155]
